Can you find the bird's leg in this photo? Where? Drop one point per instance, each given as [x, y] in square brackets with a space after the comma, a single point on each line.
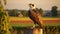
[33, 26]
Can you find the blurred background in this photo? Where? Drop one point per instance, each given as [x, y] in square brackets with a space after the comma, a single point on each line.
[21, 23]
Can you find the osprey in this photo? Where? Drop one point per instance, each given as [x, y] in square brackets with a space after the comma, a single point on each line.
[35, 16]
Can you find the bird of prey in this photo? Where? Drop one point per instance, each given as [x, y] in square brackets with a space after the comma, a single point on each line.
[34, 15]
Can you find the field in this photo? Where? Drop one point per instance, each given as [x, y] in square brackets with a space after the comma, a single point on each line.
[20, 25]
[26, 21]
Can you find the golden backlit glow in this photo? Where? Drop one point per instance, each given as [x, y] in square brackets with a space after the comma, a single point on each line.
[23, 4]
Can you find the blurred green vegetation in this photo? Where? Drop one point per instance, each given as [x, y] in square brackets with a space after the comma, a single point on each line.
[4, 19]
[22, 28]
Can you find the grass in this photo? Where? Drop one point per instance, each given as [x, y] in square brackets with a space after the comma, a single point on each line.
[31, 24]
[22, 25]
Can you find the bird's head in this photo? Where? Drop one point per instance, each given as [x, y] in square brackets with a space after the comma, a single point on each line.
[32, 6]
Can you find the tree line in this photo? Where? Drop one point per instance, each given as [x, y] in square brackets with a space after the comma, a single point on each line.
[53, 12]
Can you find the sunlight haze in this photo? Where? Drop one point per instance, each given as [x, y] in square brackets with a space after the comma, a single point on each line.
[23, 4]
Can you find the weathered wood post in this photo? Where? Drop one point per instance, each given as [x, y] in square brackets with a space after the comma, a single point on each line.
[37, 31]
[40, 31]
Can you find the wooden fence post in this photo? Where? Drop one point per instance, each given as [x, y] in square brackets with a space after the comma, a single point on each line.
[37, 31]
